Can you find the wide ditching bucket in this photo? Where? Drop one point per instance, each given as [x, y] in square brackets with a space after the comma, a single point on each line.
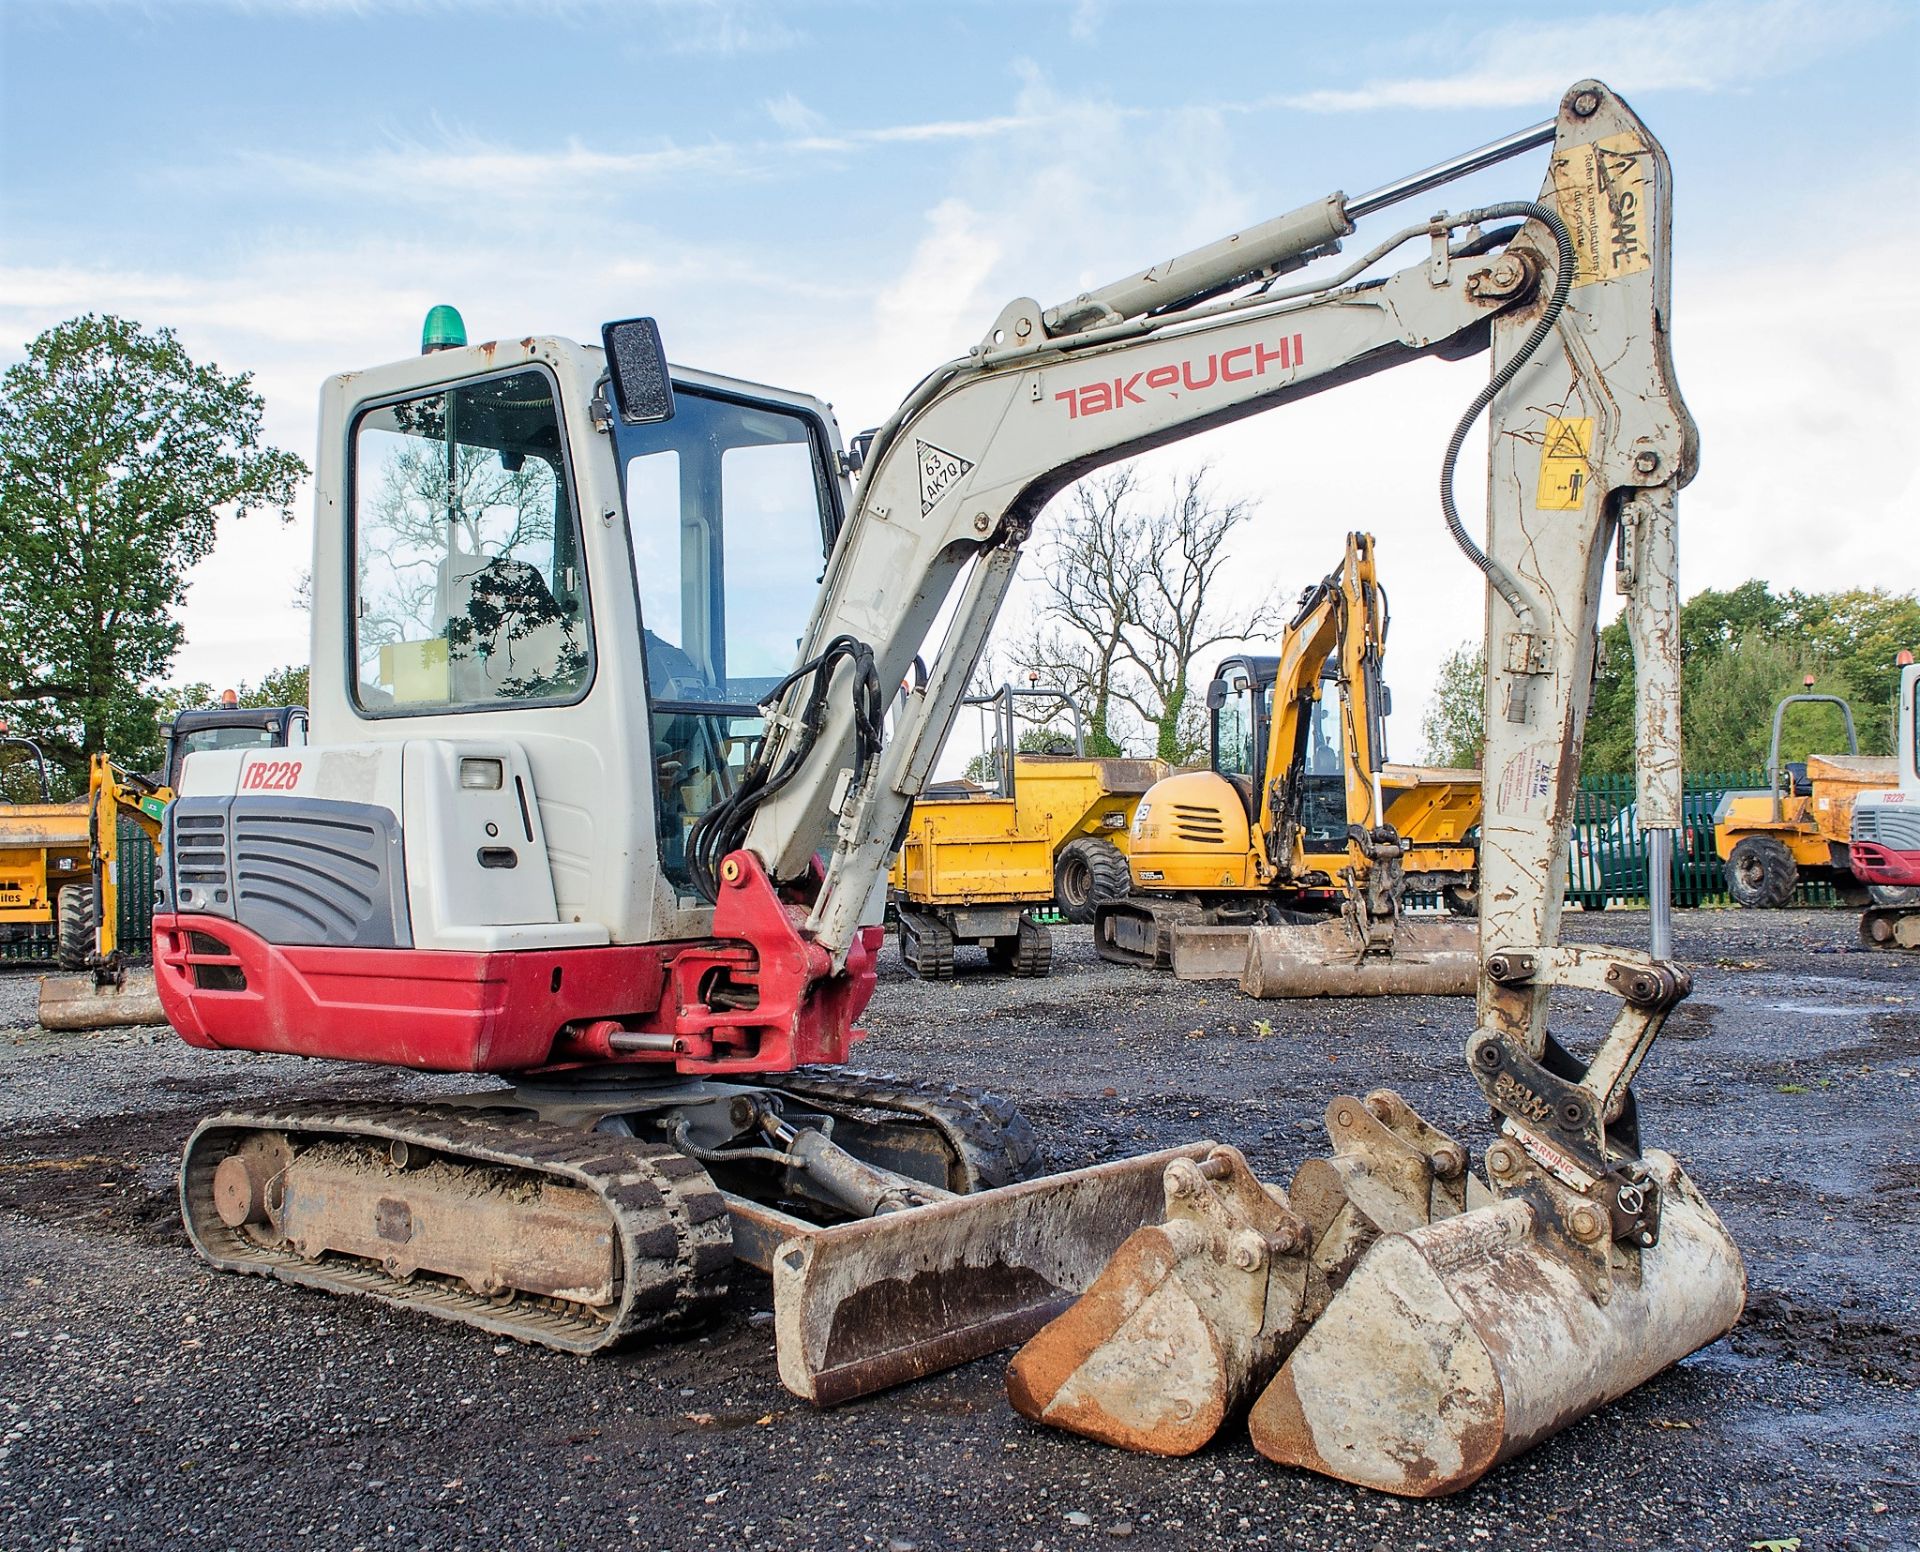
[1459, 1344]
[1423, 1328]
[82, 1002]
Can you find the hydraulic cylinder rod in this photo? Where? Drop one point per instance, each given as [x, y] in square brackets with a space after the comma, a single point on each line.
[1284, 243]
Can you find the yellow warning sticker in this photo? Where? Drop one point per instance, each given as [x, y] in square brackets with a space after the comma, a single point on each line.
[1601, 189]
[1565, 464]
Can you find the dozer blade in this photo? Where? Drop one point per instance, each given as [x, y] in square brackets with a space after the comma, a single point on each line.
[1459, 1344]
[75, 1002]
[861, 1306]
[1208, 953]
[1429, 959]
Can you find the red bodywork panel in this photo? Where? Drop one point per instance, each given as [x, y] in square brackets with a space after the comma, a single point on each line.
[1876, 864]
[756, 997]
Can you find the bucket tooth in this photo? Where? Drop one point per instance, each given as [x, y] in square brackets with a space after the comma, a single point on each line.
[1185, 1323]
[1458, 1344]
[1326, 959]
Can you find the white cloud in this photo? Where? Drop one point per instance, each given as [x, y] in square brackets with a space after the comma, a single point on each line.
[793, 115]
[1719, 45]
[1084, 24]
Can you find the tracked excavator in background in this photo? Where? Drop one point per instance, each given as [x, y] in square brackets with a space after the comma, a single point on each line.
[1284, 866]
[573, 818]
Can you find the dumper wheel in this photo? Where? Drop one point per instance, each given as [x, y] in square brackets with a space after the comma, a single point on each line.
[926, 945]
[1761, 873]
[1086, 872]
[75, 913]
[1463, 899]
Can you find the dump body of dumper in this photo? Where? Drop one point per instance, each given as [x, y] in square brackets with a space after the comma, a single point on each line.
[1064, 797]
[43, 847]
[972, 850]
[1812, 823]
[1433, 808]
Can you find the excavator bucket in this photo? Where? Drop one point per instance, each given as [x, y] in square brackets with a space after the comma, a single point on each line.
[1426, 959]
[1193, 1315]
[1458, 1344]
[79, 1002]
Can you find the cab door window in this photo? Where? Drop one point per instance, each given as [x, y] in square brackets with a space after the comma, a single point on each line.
[469, 590]
[730, 514]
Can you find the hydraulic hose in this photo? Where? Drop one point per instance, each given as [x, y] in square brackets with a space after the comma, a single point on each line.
[1504, 581]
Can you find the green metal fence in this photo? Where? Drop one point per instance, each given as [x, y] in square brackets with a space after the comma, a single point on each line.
[139, 872]
[1608, 864]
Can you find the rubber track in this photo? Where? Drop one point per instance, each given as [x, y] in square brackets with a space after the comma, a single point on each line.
[986, 1132]
[926, 948]
[671, 1222]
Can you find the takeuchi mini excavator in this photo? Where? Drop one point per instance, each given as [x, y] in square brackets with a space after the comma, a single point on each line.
[577, 817]
[1284, 865]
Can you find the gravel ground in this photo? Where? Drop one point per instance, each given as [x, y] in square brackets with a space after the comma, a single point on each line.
[148, 1403]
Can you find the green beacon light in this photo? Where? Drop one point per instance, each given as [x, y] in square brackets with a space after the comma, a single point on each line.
[443, 330]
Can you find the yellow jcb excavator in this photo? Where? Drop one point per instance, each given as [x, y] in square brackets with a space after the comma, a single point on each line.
[1284, 865]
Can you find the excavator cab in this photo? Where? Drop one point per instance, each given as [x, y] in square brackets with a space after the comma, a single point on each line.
[229, 727]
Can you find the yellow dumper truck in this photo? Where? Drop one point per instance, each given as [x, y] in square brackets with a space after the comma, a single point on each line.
[1800, 827]
[979, 861]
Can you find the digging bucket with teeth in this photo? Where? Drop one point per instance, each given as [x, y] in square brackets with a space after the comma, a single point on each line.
[1193, 1315]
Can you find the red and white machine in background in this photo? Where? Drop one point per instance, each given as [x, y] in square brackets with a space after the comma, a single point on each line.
[1885, 849]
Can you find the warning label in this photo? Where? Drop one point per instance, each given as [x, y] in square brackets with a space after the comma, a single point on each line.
[1601, 190]
[1565, 464]
[940, 471]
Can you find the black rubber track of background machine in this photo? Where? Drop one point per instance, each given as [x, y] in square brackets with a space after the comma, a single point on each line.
[992, 1139]
[669, 1220]
[926, 947]
[1033, 951]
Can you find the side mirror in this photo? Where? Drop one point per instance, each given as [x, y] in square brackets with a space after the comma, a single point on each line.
[638, 364]
[1216, 694]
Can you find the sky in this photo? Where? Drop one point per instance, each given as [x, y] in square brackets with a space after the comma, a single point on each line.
[837, 197]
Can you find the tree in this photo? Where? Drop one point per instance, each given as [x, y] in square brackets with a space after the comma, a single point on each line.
[1133, 585]
[1174, 620]
[1092, 569]
[1454, 728]
[1741, 651]
[277, 687]
[118, 454]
